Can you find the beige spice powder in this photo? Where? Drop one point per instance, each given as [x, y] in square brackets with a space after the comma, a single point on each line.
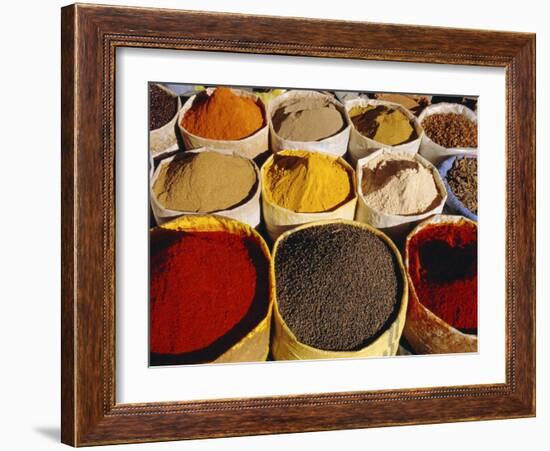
[308, 119]
[399, 185]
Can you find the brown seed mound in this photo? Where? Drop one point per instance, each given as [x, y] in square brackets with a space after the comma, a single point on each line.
[162, 107]
[338, 286]
[451, 130]
[462, 179]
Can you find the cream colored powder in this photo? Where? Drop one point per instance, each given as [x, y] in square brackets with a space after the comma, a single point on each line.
[399, 185]
[205, 182]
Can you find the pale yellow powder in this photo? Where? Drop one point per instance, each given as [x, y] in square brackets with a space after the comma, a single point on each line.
[383, 124]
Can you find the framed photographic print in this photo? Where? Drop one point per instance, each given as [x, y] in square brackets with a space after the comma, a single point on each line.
[269, 231]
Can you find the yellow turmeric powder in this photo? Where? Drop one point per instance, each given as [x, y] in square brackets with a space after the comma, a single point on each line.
[223, 115]
[307, 182]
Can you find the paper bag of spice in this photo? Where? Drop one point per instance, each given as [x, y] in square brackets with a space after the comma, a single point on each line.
[301, 186]
[341, 286]
[380, 124]
[230, 186]
[441, 265]
[396, 191]
[163, 139]
[224, 315]
[308, 120]
[229, 116]
[449, 129]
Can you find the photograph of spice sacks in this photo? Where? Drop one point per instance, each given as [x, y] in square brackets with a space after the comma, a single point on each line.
[310, 224]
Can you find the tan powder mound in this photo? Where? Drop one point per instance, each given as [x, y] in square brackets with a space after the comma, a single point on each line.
[408, 102]
[399, 185]
[205, 182]
[413, 103]
[308, 119]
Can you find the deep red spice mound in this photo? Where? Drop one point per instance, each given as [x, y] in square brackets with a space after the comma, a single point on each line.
[443, 268]
[202, 287]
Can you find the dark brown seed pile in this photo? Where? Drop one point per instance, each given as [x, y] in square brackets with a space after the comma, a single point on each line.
[451, 130]
[338, 286]
[162, 107]
[462, 179]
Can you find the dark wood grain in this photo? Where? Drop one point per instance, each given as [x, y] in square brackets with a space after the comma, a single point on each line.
[90, 36]
[67, 227]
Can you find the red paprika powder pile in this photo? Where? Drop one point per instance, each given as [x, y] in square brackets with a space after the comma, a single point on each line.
[207, 291]
[443, 269]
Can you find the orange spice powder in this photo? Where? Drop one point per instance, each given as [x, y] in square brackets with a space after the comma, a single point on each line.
[223, 115]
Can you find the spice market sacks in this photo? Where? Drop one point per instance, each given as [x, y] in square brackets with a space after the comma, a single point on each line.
[267, 244]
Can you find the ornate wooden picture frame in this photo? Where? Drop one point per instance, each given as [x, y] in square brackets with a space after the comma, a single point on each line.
[90, 37]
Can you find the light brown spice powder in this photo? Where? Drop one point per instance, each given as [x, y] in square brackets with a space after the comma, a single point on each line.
[205, 182]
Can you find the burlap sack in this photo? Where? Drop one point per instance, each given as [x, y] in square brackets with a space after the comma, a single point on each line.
[395, 226]
[334, 145]
[249, 147]
[247, 212]
[426, 332]
[278, 219]
[254, 347]
[285, 345]
[163, 140]
[360, 146]
[433, 152]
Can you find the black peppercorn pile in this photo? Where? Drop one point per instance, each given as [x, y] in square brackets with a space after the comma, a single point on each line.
[462, 179]
[450, 130]
[162, 107]
[338, 286]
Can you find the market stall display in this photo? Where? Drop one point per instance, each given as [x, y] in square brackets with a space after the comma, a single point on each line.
[289, 225]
